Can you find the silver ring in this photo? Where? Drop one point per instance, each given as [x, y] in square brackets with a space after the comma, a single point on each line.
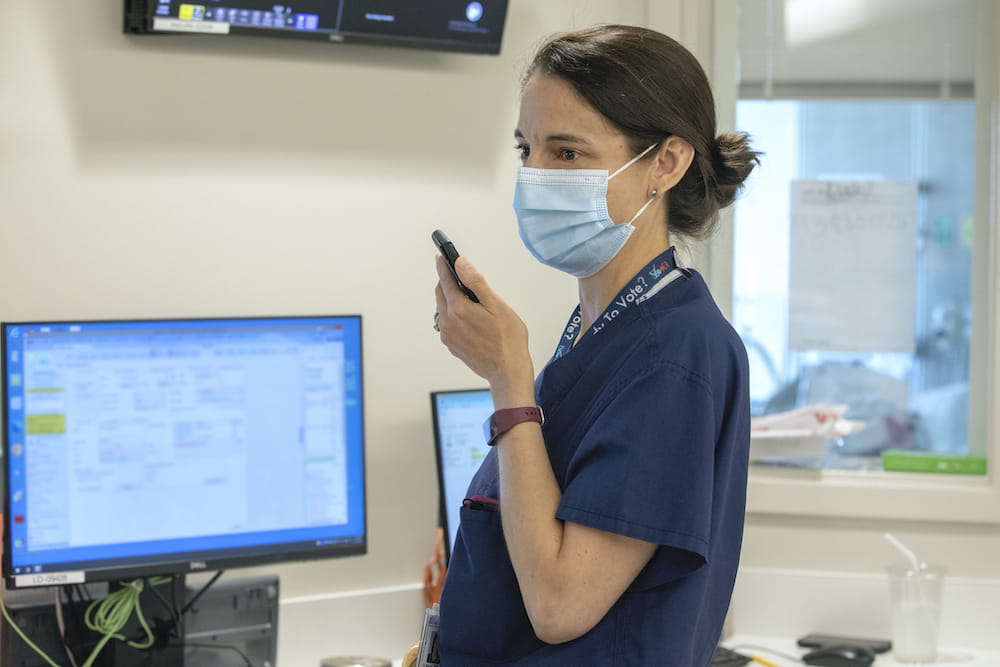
[436, 317]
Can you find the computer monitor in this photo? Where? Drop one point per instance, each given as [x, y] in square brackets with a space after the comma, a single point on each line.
[442, 25]
[459, 449]
[134, 448]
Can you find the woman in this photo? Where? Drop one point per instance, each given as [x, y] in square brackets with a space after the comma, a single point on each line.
[609, 534]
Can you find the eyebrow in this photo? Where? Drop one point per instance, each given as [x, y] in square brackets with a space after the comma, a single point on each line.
[557, 137]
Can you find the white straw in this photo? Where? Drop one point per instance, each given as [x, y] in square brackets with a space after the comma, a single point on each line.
[914, 561]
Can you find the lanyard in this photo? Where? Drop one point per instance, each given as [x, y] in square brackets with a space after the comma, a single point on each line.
[655, 276]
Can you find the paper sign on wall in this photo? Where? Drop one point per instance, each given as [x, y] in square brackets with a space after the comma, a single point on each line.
[852, 273]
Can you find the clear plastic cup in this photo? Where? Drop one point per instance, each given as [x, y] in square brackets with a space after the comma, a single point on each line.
[916, 612]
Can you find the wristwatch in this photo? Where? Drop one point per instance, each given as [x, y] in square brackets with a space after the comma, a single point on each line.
[504, 420]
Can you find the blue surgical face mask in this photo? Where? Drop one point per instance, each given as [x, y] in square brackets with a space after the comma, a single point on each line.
[562, 216]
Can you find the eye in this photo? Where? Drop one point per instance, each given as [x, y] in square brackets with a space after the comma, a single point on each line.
[522, 151]
[568, 154]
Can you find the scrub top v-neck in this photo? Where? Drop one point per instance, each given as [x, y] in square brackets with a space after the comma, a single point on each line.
[647, 430]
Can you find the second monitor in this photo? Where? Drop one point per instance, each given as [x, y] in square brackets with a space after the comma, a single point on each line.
[460, 447]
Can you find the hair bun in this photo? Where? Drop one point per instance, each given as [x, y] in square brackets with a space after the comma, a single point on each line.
[733, 160]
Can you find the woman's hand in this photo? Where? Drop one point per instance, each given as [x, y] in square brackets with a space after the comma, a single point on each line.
[487, 336]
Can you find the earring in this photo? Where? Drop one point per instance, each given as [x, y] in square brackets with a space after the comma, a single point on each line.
[653, 193]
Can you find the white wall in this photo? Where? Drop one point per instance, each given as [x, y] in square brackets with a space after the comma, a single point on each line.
[173, 176]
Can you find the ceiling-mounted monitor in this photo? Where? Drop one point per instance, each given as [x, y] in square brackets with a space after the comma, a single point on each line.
[442, 25]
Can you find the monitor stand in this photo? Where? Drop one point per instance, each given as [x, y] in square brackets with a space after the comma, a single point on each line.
[158, 611]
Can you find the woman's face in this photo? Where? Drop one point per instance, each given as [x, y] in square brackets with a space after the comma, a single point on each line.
[558, 129]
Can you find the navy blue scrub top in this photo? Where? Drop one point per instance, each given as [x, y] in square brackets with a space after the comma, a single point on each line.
[648, 432]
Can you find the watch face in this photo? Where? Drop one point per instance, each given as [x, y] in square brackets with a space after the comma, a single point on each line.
[489, 430]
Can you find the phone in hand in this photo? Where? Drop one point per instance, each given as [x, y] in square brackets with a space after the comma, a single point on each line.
[447, 250]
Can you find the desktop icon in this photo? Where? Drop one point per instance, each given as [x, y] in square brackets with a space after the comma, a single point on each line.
[306, 21]
[16, 449]
[19, 543]
[15, 356]
[17, 496]
[15, 379]
[191, 12]
[16, 403]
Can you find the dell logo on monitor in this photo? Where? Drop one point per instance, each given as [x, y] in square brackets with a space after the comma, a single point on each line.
[199, 565]
[474, 11]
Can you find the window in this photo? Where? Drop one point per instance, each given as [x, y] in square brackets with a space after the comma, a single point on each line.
[861, 294]
[878, 120]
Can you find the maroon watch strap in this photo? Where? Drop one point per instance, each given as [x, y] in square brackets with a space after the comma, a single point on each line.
[504, 420]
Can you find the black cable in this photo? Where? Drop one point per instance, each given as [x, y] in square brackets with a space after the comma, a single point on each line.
[218, 647]
[201, 592]
[177, 611]
[78, 637]
[82, 591]
[69, 616]
[171, 609]
[164, 630]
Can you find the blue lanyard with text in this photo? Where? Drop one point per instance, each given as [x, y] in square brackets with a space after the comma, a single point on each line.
[654, 277]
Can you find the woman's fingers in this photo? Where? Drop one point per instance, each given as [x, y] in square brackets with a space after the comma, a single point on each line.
[474, 280]
[446, 281]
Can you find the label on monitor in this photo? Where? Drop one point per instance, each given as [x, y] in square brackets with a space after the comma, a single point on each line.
[176, 25]
[49, 579]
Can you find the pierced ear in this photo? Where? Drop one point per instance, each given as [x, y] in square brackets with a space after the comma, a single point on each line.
[673, 159]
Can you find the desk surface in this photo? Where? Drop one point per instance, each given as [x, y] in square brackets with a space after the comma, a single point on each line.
[761, 646]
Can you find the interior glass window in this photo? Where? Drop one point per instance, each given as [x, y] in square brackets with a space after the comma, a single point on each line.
[904, 372]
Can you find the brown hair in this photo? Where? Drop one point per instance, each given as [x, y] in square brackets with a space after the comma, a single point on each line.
[650, 87]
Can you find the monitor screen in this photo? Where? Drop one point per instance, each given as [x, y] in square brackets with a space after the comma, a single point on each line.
[446, 25]
[169, 446]
[460, 447]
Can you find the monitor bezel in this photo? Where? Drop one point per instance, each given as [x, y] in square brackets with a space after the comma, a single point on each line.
[192, 562]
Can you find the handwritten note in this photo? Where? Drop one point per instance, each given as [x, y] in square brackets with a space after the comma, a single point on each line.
[852, 273]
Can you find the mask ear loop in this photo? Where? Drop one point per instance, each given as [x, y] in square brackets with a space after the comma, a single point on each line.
[632, 161]
[643, 209]
[626, 166]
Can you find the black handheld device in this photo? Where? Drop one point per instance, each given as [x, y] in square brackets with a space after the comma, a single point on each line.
[817, 640]
[447, 249]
